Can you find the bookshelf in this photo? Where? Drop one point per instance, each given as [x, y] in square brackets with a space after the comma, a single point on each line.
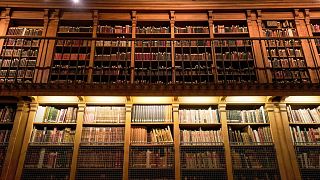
[101, 149]
[71, 56]
[201, 142]
[112, 61]
[50, 144]
[234, 58]
[20, 52]
[151, 142]
[251, 144]
[285, 56]
[7, 116]
[304, 129]
[153, 54]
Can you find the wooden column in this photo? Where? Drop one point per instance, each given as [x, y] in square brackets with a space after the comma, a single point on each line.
[49, 46]
[134, 25]
[213, 54]
[276, 133]
[16, 141]
[42, 49]
[260, 64]
[28, 131]
[311, 60]
[4, 25]
[127, 134]
[224, 128]
[172, 21]
[93, 45]
[289, 154]
[176, 140]
[77, 140]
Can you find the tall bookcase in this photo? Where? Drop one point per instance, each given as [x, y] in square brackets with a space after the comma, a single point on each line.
[19, 54]
[304, 130]
[252, 148]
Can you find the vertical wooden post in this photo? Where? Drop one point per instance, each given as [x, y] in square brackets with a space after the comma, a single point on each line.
[312, 60]
[176, 139]
[276, 133]
[224, 128]
[77, 140]
[289, 155]
[42, 49]
[134, 25]
[172, 21]
[253, 28]
[28, 131]
[16, 141]
[49, 46]
[93, 45]
[213, 54]
[4, 25]
[127, 141]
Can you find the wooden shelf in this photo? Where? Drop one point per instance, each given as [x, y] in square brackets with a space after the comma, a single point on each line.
[207, 125]
[103, 124]
[151, 145]
[54, 124]
[49, 145]
[203, 169]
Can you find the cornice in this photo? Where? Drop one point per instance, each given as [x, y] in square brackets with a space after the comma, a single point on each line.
[163, 4]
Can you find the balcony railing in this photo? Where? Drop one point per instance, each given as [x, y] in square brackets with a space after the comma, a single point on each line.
[159, 61]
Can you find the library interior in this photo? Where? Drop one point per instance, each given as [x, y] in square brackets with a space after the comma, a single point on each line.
[159, 90]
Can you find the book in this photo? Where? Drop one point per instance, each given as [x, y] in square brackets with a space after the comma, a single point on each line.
[141, 135]
[151, 113]
[49, 114]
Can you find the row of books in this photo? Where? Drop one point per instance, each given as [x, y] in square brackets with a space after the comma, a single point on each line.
[23, 62]
[119, 56]
[303, 115]
[233, 55]
[141, 135]
[229, 29]
[105, 114]
[111, 70]
[186, 43]
[200, 137]
[287, 63]
[102, 135]
[100, 158]
[152, 29]
[16, 73]
[19, 52]
[278, 24]
[117, 29]
[71, 56]
[309, 160]
[280, 33]
[248, 116]
[153, 56]
[198, 160]
[193, 57]
[152, 44]
[249, 158]
[69, 70]
[305, 135]
[209, 116]
[230, 43]
[67, 29]
[248, 136]
[191, 29]
[148, 73]
[5, 136]
[48, 158]
[283, 43]
[235, 73]
[290, 75]
[315, 27]
[50, 114]
[151, 113]
[7, 114]
[285, 52]
[115, 43]
[74, 43]
[151, 158]
[25, 31]
[22, 42]
[54, 136]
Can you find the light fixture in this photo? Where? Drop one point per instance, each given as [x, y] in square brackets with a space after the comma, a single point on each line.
[75, 1]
